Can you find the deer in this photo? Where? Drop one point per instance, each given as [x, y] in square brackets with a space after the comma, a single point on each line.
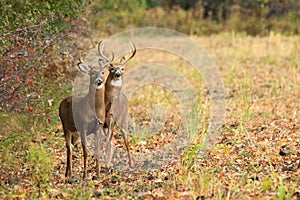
[84, 115]
[116, 103]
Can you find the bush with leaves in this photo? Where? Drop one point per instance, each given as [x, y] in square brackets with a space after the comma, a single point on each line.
[28, 30]
[40, 167]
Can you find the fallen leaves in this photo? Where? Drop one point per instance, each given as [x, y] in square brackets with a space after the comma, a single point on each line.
[257, 155]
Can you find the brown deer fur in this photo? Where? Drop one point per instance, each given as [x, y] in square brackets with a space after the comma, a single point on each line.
[86, 115]
[116, 105]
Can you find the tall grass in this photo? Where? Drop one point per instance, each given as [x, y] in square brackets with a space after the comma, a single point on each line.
[191, 22]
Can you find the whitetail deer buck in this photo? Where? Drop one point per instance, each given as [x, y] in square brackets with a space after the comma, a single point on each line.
[86, 115]
[116, 103]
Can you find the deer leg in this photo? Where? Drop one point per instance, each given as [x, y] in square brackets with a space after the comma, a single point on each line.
[98, 134]
[105, 131]
[83, 134]
[75, 140]
[111, 150]
[124, 134]
[68, 138]
[85, 155]
[109, 144]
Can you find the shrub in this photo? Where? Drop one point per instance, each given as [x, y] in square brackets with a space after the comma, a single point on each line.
[28, 30]
[40, 167]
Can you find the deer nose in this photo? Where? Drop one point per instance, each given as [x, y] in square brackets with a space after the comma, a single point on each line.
[98, 82]
[118, 75]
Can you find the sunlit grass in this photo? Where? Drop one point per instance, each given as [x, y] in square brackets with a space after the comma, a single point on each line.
[261, 77]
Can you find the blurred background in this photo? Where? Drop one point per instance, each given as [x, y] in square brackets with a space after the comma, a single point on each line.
[49, 35]
[200, 17]
[255, 45]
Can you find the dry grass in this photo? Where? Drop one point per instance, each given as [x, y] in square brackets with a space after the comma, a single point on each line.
[257, 156]
[265, 70]
[262, 81]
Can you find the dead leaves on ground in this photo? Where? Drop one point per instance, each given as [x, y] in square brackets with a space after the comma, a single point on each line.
[257, 155]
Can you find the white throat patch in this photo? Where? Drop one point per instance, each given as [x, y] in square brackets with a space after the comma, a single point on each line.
[99, 87]
[117, 83]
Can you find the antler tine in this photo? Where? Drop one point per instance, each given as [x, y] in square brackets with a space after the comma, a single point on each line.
[99, 44]
[112, 56]
[100, 51]
[133, 51]
[80, 59]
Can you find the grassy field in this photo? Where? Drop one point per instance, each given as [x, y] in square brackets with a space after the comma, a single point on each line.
[257, 155]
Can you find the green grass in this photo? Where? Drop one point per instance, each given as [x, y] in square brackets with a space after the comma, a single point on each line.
[191, 21]
[27, 147]
[262, 88]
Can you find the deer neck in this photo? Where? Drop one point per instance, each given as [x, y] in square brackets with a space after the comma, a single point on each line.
[112, 88]
[96, 101]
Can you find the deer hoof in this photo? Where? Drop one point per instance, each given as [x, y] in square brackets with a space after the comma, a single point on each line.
[73, 179]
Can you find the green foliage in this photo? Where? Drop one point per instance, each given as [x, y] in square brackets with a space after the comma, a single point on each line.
[282, 192]
[40, 166]
[190, 155]
[17, 14]
[13, 142]
[194, 17]
[153, 3]
[117, 5]
[29, 30]
[27, 143]
[35, 19]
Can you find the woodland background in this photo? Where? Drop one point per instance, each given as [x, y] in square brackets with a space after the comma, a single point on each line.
[255, 45]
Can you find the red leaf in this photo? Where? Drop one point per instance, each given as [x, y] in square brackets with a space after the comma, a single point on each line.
[18, 78]
[30, 82]
[68, 19]
[30, 109]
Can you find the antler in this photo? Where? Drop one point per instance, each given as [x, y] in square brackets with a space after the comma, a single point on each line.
[100, 51]
[80, 59]
[133, 50]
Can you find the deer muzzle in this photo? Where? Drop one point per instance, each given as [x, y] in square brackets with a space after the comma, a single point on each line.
[118, 75]
[99, 83]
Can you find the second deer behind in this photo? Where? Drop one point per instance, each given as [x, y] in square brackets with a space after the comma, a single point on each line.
[116, 103]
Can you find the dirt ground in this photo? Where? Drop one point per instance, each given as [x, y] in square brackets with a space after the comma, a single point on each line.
[256, 154]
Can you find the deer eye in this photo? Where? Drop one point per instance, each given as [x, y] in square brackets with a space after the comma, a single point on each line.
[102, 73]
[122, 69]
[93, 73]
[112, 69]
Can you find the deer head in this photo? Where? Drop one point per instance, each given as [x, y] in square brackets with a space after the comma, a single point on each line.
[96, 74]
[116, 69]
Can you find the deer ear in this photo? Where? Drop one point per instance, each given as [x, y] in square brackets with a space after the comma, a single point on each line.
[101, 62]
[122, 60]
[84, 67]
